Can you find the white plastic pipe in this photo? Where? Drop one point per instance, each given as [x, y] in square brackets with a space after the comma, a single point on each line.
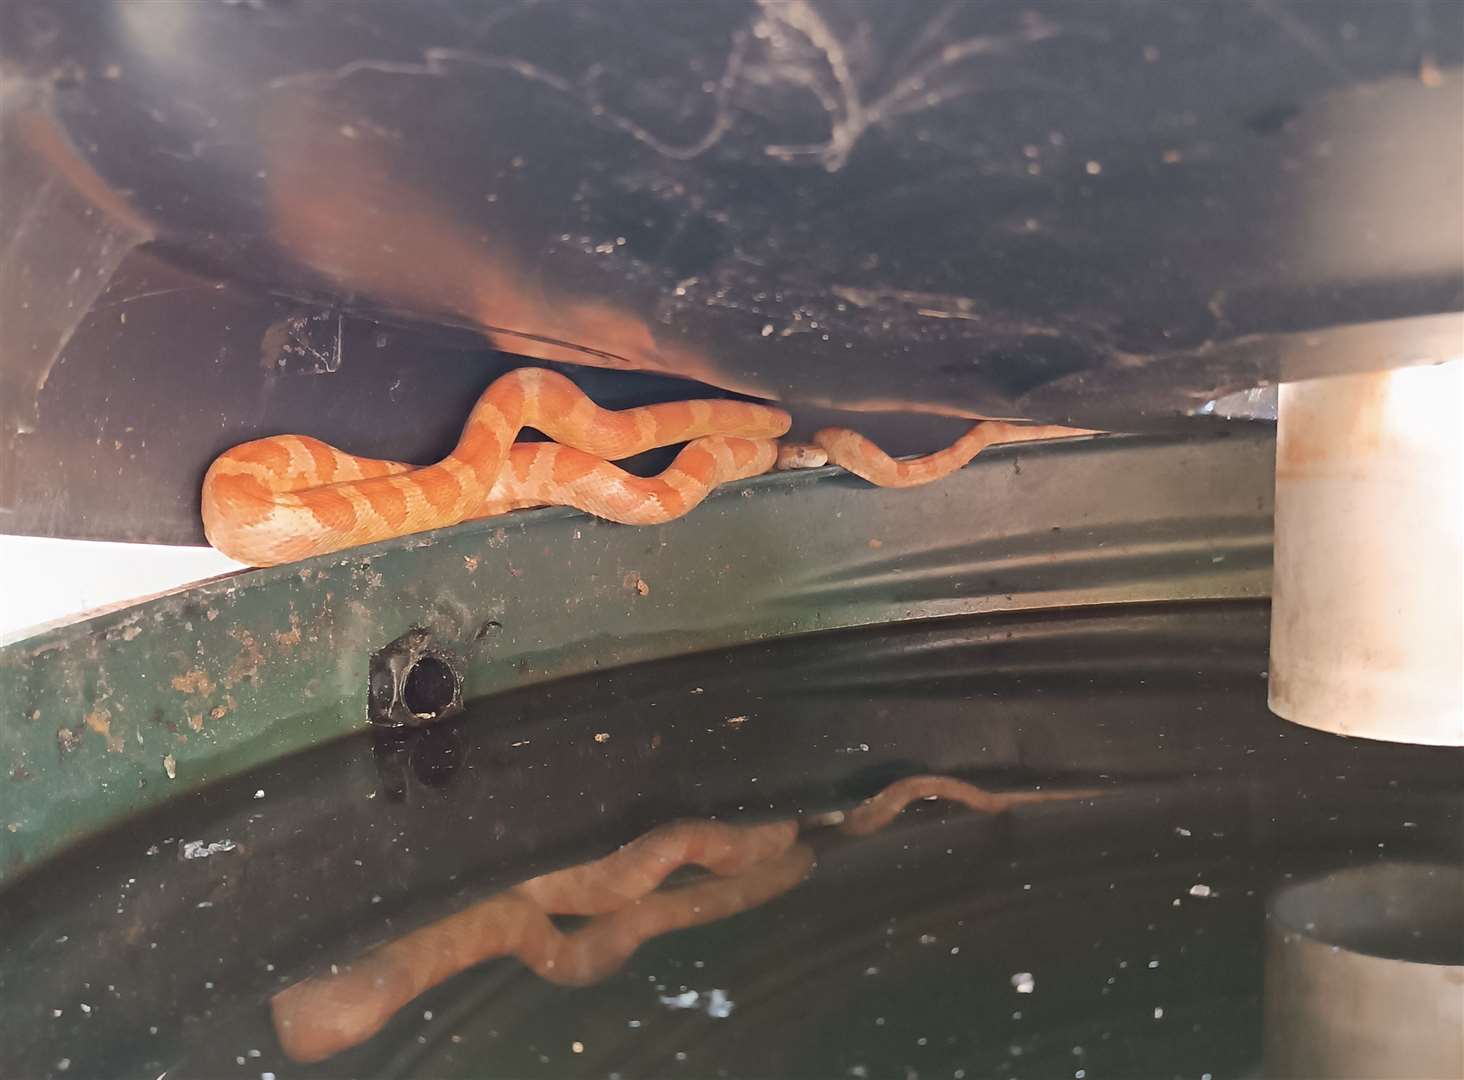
[1367, 617]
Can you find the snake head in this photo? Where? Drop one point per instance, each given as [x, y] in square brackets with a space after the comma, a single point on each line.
[801, 456]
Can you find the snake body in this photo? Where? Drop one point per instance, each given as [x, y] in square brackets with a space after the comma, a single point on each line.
[287, 497]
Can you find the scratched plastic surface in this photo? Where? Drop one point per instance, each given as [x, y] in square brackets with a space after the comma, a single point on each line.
[1113, 934]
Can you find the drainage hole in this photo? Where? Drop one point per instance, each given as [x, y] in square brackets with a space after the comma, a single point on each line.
[430, 688]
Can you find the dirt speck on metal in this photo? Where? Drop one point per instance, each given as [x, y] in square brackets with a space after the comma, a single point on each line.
[193, 682]
[246, 664]
[100, 721]
[286, 639]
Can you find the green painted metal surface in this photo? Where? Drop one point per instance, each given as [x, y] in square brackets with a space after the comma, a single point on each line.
[106, 717]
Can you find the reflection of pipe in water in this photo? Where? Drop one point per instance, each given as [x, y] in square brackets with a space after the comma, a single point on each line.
[1365, 975]
[621, 894]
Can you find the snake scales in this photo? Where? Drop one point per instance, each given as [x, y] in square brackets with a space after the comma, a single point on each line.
[287, 497]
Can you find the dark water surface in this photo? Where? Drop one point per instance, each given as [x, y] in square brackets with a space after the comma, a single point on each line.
[1117, 929]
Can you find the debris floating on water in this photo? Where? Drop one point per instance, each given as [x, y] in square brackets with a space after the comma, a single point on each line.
[1023, 982]
[716, 1002]
[197, 849]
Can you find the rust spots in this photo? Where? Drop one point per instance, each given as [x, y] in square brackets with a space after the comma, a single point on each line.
[68, 739]
[246, 664]
[291, 637]
[218, 712]
[471, 562]
[332, 509]
[637, 584]
[195, 721]
[100, 721]
[193, 682]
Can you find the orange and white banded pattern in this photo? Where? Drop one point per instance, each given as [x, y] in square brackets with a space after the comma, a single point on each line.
[851, 450]
[288, 497]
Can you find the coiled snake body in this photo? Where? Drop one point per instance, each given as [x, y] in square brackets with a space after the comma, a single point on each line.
[288, 497]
